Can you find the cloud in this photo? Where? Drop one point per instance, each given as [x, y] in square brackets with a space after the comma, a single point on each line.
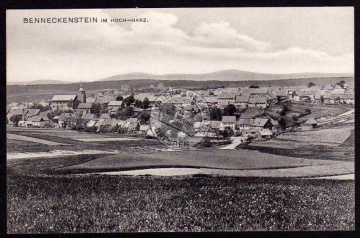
[221, 35]
[94, 51]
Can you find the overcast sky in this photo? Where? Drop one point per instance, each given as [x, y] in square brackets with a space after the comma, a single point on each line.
[265, 40]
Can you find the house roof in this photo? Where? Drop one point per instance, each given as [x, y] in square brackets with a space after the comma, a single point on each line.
[144, 127]
[37, 119]
[16, 112]
[251, 112]
[310, 121]
[254, 90]
[86, 105]
[133, 119]
[260, 121]
[266, 132]
[258, 99]
[102, 100]
[243, 98]
[210, 99]
[131, 125]
[32, 112]
[63, 98]
[64, 115]
[105, 116]
[88, 116]
[226, 95]
[246, 122]
[215, 124]
[115, 103]
[228, 119]
[121, 123]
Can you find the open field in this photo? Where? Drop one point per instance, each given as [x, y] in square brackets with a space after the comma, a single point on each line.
[128, 204]
[234, 159]
[73, 139]
[319, 110]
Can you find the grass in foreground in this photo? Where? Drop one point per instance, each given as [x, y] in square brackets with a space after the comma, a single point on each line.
[97, 203]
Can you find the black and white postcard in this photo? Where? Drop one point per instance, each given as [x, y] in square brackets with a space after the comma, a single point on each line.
[180, 120]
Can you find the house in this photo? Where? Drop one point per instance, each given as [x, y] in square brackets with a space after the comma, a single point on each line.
[309, 124]
[15, 112]
[245, 123]
[84, 108]
[114, 106]
[63, 102]
[105, 116]
[38, 121]
[211, 101]
[215, 125]
[265, 134]
[226, 98]
[262, 123]
[337, 90]
[144, 129]
[87, 117]
[242, 100]
[348, 98]
[259, 101]
[252, 112]
[62, 119]
[182, 102]
[228, 121]
[30, 113]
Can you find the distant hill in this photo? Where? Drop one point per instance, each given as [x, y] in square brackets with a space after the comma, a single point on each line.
[19, 93]
[224, 75]
[38, 82]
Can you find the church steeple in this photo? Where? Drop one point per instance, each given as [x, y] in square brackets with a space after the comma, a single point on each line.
[82, 94]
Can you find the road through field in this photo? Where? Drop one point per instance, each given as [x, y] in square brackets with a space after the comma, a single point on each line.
[32, 139]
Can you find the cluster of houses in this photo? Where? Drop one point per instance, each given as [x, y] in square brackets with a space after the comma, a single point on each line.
[252, 101]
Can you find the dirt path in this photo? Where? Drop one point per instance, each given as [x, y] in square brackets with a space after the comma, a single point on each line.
[333, 171]
[32, 139]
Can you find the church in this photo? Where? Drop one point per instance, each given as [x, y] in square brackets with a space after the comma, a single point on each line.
[66, 102]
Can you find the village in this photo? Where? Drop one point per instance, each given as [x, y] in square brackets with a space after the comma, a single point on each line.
[249, 113]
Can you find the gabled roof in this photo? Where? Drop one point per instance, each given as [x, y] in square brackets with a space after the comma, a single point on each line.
[63, 98]
[88, 116]
[246, 122]
[115, 103]
[266, 132]
[32, 112]
[105, 116]
[228, 119]
[254, 90]
[258, 99]
[64, 115]
[260, 121]
[310, 121]
[243, 98]
[133, 119]
[37, 119]
[210, 99]
[226, 95]
[16, 112]
[86, 105]
[215, 124]
[251, 112]
[102, 100]
[144, 128]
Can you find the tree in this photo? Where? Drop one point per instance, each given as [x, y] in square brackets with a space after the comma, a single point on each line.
[341, 83]
[128, 111]
[146, 103]
[129, 100]
[284, 110]
[254, 86]
[282, 123]
[76, 103]
[311, 84]
[215, 114]
[307, 111]
[41, 107]
[144, 117]
[138, 103]
[119, 98]
[211, 93]
[96, 108]
[229, 110]
[15, 119]
[322, 99]
[295, 117]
